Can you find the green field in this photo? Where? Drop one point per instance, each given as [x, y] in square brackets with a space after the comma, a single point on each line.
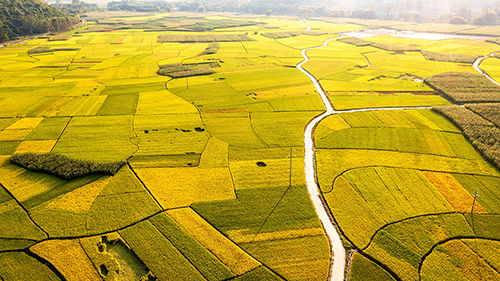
[207, 112]
[387, 163]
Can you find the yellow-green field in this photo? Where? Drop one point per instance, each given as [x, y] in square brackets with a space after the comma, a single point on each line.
[214, 185]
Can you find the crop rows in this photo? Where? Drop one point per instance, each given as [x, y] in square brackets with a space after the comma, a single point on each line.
[192, 38]
[215, 188]
[213, 24]
[60, 37]
[461, 58]
[387, 47]
[40, 50]
[283, 34]
[355, 41]
[483, 134]
[489, 111]
[464, 87]
[178, 70]
[462, 259]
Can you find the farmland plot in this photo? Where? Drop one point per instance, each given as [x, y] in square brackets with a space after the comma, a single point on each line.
[214, 187]
[389, 223]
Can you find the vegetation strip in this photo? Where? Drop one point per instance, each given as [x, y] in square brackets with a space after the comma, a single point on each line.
[465, 87]
[481, 133]
[63, 166]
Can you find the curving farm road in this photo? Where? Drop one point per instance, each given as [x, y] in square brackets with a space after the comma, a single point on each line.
[337, 262]
[478, 62]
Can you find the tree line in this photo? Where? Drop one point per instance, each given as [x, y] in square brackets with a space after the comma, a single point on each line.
[406, 10]
[27, 17]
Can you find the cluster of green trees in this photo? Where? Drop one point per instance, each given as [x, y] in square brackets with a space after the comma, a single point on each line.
[269, 7]
[77, 7]
[490, 16]
[147, 6]
[311, 8]
[27, 17]
[458, 12]
[462, 14]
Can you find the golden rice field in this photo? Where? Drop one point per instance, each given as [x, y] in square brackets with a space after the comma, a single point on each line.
[214, 187]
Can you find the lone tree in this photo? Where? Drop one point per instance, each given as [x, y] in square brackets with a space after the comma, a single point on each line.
[269, 13]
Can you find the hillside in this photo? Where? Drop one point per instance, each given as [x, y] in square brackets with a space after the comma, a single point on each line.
[25, 17]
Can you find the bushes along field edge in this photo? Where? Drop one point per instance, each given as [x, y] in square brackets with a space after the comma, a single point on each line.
[63, 166]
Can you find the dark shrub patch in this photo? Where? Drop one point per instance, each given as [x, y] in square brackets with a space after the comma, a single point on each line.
[63, 166]
[261, 164]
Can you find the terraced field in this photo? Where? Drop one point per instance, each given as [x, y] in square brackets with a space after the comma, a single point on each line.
[214, 186]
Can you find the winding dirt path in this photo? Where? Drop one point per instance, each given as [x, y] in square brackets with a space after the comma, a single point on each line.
[478, 62]
[337, 262]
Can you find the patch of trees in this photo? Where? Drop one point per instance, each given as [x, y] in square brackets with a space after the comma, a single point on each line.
[63, 166]
[305, 8]
[489, 17]
[77, 7]
[362, 14]
[28, 17]
[146, 6]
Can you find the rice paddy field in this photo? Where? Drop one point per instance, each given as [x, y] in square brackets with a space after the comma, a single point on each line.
[213, 187]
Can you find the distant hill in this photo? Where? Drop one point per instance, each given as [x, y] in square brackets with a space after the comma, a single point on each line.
[25, 17]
